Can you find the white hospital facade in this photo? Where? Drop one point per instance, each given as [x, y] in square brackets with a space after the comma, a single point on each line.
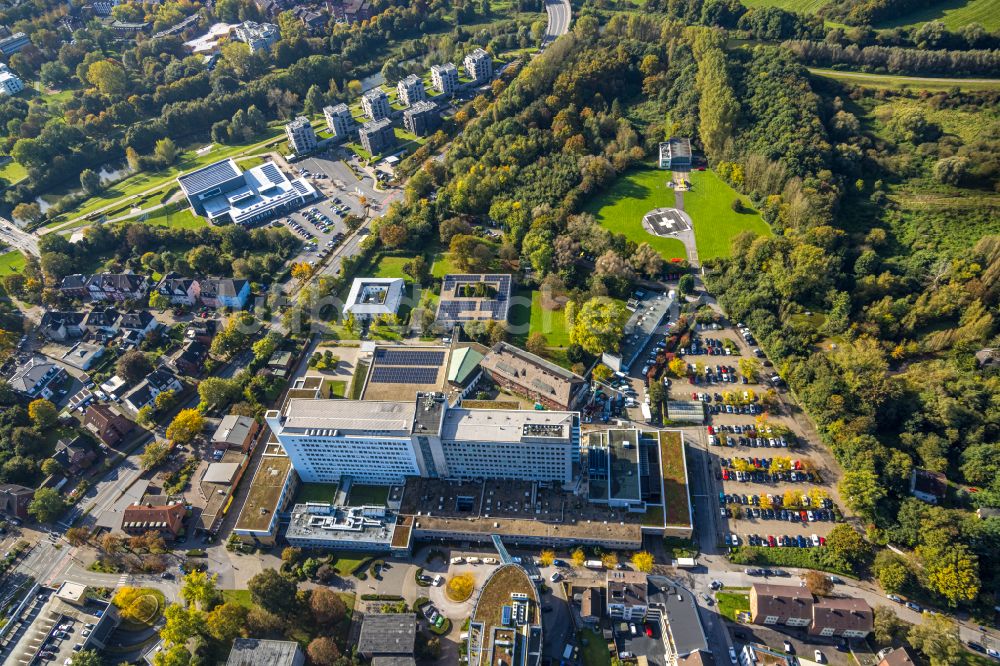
[383, 442]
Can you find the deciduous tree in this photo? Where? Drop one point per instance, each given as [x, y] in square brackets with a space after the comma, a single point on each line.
[187, 425]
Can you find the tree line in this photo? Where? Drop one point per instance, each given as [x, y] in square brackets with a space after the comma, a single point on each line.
[897, 60]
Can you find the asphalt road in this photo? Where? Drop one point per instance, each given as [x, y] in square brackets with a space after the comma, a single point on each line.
[560, 16]
[11, 234]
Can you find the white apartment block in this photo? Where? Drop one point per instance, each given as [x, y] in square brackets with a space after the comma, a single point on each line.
[301, 136]
[444, 78]
[376, 104]
[257, 35]
[411, 90]
[384, 442]
[10, 83]
[340, 121]
[479, 66]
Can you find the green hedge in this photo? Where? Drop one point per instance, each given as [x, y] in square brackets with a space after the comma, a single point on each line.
[381, 597]
[802, 558]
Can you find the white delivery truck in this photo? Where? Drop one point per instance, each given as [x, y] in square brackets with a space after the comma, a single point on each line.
[594, 564]
[458, 560]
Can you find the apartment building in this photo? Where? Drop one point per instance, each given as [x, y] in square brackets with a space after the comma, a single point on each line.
[383, 442]
[257, 36]
[10, 83]
[13, 43]
[376, 104]
[627, 595]
[781, 604]
[479, 66]
[842, 616]
[444, 78]
[422, 118]
[411, 90]
[340, 121]
[378, 136]
[301, 136]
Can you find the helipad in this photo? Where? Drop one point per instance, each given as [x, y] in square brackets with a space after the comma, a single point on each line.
[666, 222]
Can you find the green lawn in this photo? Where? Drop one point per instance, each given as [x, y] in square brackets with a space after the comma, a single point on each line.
[621, 208]
[316, 492]
[241, 597]
[12, 172]
[893, 82]
[11, 262]
[800, 6]
[550, 323]
[338, 387]
[954, 14]
[443, 265]
[178, 219]
[361, 494]
[391, 267]
[346, 562]
[709, 203]
[595, 652]
[731, 603]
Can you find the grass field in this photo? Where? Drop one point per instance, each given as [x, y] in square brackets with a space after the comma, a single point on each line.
[550, 323]
[954, 14]
[316, 492]
[361, 494]
[731, 603]
[621, 208]
[11, 262]
[391, 267]
[800, 6]
[178, 219]
[443, 265]
[595, 652]
[338, 387]
[891, 82]
[969, 126]
[709, 203]
[239, 597]
[12, 172]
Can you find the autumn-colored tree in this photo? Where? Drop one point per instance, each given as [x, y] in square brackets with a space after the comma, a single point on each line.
[187, 425]
[323, 651]
[227, 621]
[546, 557]
[77, 536]
[327, 607]
[578, 557]
[643, 561]
[461, 586]
[536, 343]
[43, 413]
[602, 373]
[818, 583]
[301, 270]
[677, 367]
[609, 560]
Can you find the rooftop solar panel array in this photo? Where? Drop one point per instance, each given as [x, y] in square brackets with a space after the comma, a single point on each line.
[472, 309]
[409, 357]
[404, 375]
[271, 171]
[210, 176]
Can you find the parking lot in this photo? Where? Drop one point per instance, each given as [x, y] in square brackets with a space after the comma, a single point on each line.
[769, 480]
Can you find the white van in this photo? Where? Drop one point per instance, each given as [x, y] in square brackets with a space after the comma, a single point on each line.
[458, 560]
[472, 560]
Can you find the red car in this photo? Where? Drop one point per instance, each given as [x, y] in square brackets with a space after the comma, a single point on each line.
[711, 430]
[771, 542]
[649, 631]
[804, 516]
[822, 541]
[725, 475]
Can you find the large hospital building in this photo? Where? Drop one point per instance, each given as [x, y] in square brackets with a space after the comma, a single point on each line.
[383, 442]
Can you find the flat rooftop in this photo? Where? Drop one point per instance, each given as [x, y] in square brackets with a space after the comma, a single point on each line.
[680, 612]
[259, 652]
[265, 491]
[500, 425]
[388, 634]
[208, 177]
[474, 297]
[400, 372]
[34, 630]
[506, 585]
[360, 524]
[349, 416]
[673, 467]
[514, 508]
[644, 323]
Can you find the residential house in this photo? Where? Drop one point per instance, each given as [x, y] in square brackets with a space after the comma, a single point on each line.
[83, 355]
[74, 455]
[145, 392]
[312, 19]
[351, 11]
[118, 287]
[235, 432]
[103, 321]
[179, 289]
[591, 607]
[139, 323]
[259, 652]
[189, 359]
[627, 595]
[35, 377]
[201, 331]
[75, 286]
[928, 486]
[780, 604]
[230, 293]
[166, 520]
[897, 657]
[14, 500]
[106, 424]
[842, 616]
[62, 326]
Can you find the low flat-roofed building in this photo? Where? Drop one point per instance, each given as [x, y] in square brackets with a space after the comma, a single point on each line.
[387, 635]
[753, 654]
[217, 485]
[469, 297]
[781, 604]
[652, 309]
[686, 411]
[627, 595]
[83, 355]
[506, 626]
[401, 372]
[235, 432]
[532, 376]
[372, 297]
[359, 528]
[675, 153]
[260, 652]
[842, 616]
[272, 488]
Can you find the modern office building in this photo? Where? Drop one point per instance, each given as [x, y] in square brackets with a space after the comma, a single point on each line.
[257, 35]
[372, 297]
[378, 136]
[14, 43]
[479, 66]
[376, 104]
[473, 297]
[411, 90]
[385, 442]
[271, 491]
[422, 118]
[340, 121]
[301, 136]
[223, 192]
[444, 78]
